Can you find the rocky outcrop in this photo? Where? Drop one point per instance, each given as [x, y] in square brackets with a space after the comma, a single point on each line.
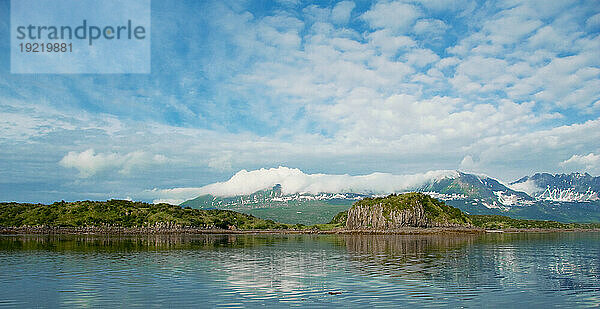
[407, 210]
[372, 217]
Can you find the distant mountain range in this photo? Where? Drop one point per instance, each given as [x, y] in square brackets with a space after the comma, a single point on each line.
[561, 197]
[574, 187]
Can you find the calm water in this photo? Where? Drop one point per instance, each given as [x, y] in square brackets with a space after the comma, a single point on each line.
[499, 270]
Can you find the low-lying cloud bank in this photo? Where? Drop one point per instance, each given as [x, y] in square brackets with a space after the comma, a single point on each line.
[293, 180]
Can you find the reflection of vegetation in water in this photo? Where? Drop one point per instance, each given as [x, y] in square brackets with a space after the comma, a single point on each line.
[470, 262]
[112, 243]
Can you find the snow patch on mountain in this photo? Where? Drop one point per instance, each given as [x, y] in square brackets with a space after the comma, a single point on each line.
[567, 195]
[507, 199]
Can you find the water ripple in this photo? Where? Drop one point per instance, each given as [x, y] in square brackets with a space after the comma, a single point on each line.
[233, 271]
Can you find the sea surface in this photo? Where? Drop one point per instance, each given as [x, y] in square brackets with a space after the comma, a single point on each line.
[538, 270]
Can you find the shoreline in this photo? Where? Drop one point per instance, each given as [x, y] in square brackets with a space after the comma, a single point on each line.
[197, 231]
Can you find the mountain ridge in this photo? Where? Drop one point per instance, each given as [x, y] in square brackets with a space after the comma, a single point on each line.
[571, 187]
[472, 193]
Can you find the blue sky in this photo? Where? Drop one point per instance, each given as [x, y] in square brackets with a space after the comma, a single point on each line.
[503, 88]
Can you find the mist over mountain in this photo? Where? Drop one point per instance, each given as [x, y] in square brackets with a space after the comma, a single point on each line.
[293, 180]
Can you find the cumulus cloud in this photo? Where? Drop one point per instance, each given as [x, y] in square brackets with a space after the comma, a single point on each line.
[341, 12]
[590, 161]
[430, 27]
[293, 180]
[301, 85]
[468, 163]
[447, 5]
[395, 16]
[88, 163]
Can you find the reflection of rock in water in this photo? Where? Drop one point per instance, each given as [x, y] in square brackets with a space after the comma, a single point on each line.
[406, 244]
[485, 261]
[400, 255]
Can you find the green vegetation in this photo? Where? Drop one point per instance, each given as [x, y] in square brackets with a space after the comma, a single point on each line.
[137, 214]
[340, 218]
[496, 222]
[294, 212]
[128, 214]
[266, 204]
[338, 222]
[435, 210]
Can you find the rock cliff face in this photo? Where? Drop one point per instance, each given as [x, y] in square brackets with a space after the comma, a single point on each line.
[372, 217]
[406, 210]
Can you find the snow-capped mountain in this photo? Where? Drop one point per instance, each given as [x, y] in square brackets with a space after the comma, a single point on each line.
[574, 187]
[272, 197]
[478, 190]
[281, 193]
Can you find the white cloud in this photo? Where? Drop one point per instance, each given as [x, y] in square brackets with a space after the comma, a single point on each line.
[395, 16]
[549, 38]
[310, 90]
[341, 12]
[316, 13]
[469, 164]
[430, 27]
[528, 187]
[537, 8]
[421, 57]
[593, 22]
[88, 163]
[289, 2]
[295, 181]
[447, 5]
[533, 36]
[590, 161]
[511, 26]
[447, 62]
[537, 150]
[221, 162]
[389, 44]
